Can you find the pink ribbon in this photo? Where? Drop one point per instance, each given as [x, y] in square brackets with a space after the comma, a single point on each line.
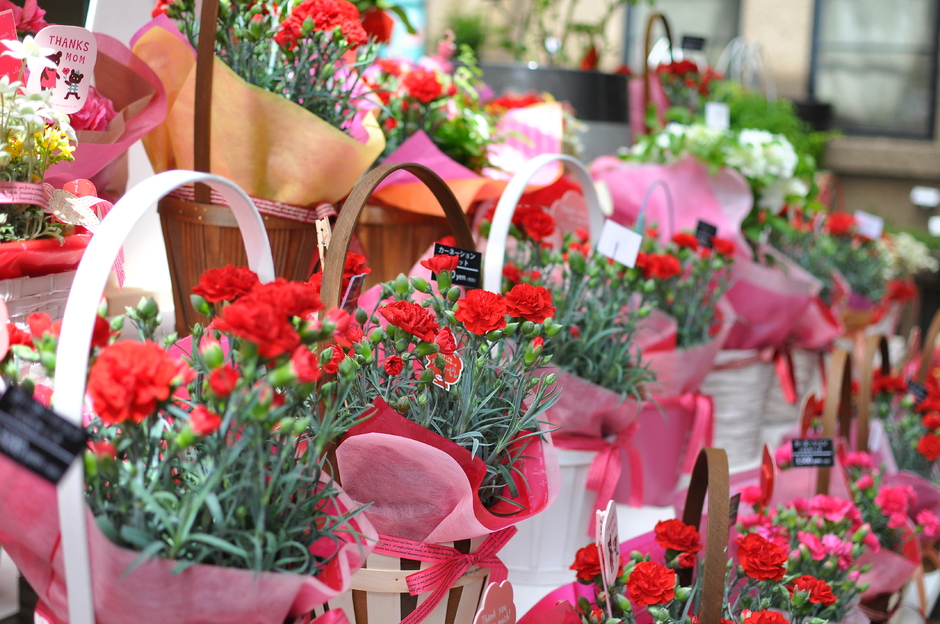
[703, 425]
[290, 212]
[451, 565]
[607, 467]
[22, 193]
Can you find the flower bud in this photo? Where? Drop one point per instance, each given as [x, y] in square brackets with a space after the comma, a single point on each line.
[91, 464]
[552, 329]
[361, 316]
[453, 293]
[400, 285]
[621, 602]
[403, 405]
[286, 424]
[347, 368]
[302, 424]
[213, 355]
[186, 438]
[443, 280]
[799, 598]
[528, 328]
[426, 348]
[423, 398]
[377, 335]
[199, 304]
[510, 329]
[117, 323]
[682, 593]
[427, 376]
[550, 379]
[420, 284]
[147, 308]
[47, 359]
[401, 344]
[282, 375]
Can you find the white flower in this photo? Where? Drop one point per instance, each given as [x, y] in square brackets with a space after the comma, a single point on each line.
[30, 51]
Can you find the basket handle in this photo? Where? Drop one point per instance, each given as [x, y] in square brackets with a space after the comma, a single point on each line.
[929, 341]
[873, 344]
[353, 206]
[495, 255]
[647, 95]
[710, 476]
[641, 216]
[202, 112]
[75, 340]
[838, 403]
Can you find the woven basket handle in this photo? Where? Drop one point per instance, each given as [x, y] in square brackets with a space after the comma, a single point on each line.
[647, 95]
[838, 404]
[710, 476]
[75, 340]
[331, 289]
[202, 112]
[873, 345]
[495, 255]
[929, 341]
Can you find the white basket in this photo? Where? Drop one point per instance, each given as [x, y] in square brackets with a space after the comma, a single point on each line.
[543, 550]
[739, 394]
[379, 593]
[29, 295]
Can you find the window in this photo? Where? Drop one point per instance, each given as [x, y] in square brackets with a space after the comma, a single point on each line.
[876, 63]
[716, 21]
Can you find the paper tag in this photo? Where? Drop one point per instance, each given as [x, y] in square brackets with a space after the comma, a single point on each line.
[607, 540]
[704, 233]
[733, 505]
[9, 66]
[813, 452]
[868, 225]
[918, 390]
[75, 53]
[497, 605]
[692, 42]
[925, 196]
[619, 243]
[351, 296]
[453, 369]
[467, 272]
[717, 115]
[768, 472]
[37, 438]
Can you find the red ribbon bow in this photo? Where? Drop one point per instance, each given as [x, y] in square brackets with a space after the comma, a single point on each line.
[451, 565]
[607, 467]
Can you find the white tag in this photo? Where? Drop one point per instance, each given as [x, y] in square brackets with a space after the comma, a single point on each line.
[607, 540]
[933, 225]
[717, 115]
[75, 54]
[497, 605]
[925, 196]
[619, 243]
[868, 225]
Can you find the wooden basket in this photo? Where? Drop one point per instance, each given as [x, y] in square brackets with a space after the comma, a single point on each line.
[200, 236]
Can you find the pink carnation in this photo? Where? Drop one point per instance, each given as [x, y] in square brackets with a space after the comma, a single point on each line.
[784, 455]
[843, 550]
[831, 508]
[95, 115]
[858, 459]
[871, 541]
[897, 520]
[751, 495]
[929, 521]
[895, 499]
[865, 482]
[816, 549]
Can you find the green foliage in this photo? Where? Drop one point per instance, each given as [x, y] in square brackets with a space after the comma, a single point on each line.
[469, 30]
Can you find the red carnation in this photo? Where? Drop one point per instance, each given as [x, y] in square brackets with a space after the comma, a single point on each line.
[422, 85]
[332, 367]
[204, 422]
[929, 446]
[160, 8]
[326, 15]
[226, 284]
[818, 590]
[723, 247]
[512, 273]
[538, 225]
[41, 324]
[394, 365]
[761, 559]
[533, 303]
[378, 24]
[223, 380]
[306, 364]
[482, 311]
[129, 379]
[259, 323]
[288, 298]
[687, 560]
[840, 223]
[18, 336]
[587, 562]
[684, 239]
[659, 266]
[765, 617]
[389, 66]
[650, 584]
[441, 263]
[677, 535]
[412, 318]
[931, 421]
[445, 340]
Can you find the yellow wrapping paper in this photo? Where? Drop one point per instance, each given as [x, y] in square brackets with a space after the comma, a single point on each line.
[268, 145]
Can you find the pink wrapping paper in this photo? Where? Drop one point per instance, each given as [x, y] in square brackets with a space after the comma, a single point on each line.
[768, 301]
[817, 327]
[423, 487]
[723, 200]
[525, 133]
[636, 90]
[140, 101]
[201, 594]
[419, 148]
[889, 570]
[586, 409]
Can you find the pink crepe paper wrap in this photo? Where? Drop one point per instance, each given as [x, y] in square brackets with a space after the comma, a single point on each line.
[140, 101]
[201, 594]
[890, 571]
[817, 327]
[523, 134]
[767, 300]
[424, 487]
[723, 200]
[636, 90]
[671, 433]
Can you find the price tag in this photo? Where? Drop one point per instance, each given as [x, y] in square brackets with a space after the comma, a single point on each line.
[692, 42]
[813, 452]
[74, 53]
[868, 225]
[917, 389]
[733, 506]
[467, 272]
[497, 605]
[619, 243]
[607, 539]
[37, 438]
[717, 115]
[704, 233]
[9, 66]
[453, 369]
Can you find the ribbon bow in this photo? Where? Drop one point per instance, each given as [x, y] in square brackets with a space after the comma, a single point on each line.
[451, 565]
[607, 467]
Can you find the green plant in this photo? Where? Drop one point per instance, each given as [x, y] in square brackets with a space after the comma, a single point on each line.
[469, 30]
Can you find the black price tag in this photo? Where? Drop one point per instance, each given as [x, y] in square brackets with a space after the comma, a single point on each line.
[918, 390]
[691, 42]
[37, 438]
[468, 268]
[814, 452]
[704, 233]
[733, 509]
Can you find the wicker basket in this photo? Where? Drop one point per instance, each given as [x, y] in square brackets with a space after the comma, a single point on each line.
[29, 295]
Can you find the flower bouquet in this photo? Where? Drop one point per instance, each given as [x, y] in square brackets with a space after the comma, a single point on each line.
[204, 479]
[451, 449]
[294, 68]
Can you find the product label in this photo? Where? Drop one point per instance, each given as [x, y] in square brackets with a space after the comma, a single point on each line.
[868, 225]
[453, 369]
[704, 233]
[814, 452]
[619, 243]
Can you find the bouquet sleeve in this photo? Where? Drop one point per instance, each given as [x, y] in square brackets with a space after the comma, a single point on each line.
[284, 153]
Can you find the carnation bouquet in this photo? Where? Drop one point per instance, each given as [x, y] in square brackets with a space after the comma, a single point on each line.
[206, 468]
